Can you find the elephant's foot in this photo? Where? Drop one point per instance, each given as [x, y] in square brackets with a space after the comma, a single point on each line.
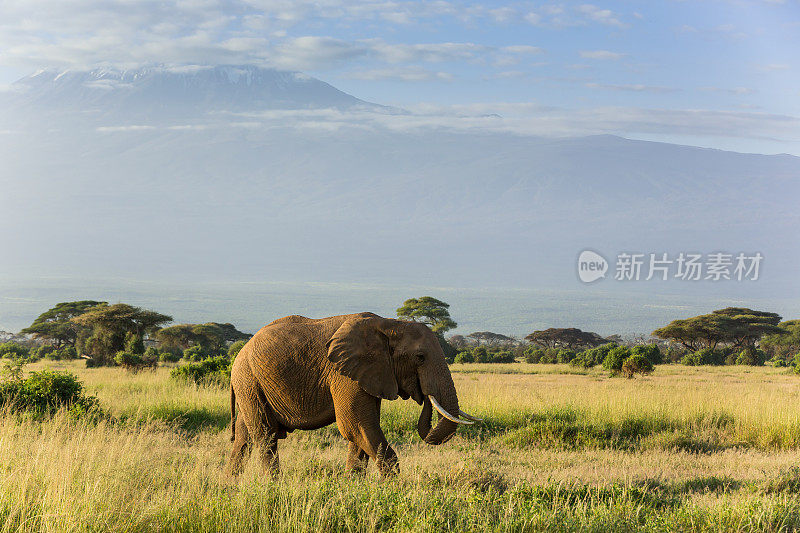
[357, 460]
[388, 464]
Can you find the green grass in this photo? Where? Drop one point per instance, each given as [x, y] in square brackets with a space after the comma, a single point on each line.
[684, 449]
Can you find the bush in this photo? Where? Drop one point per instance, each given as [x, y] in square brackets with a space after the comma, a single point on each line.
[636, 364]
[615, 358]
[56, 354]
[234, 349]
[581, 360]
[134, 343]
[169, 356]
[196, 353]
[211, 370]
[651, 351]
[47, 391]
[752, 357]
[502, 356]
[464, 357]
[13, 350]
[549, 357]
[533, 355]
[480, 354]
[564, 356]
[134, 362]
[596, 356]
[706, 356]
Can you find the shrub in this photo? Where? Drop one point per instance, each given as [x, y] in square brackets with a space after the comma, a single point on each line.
[464, 357]
[168, 356]
[615, 358]
[196, 353]
[234, 349]
[752, 357]
[780, 363]
[550, 356]
[596, 356]
[13, 350]
[706, 356]
[47, 391]
[651, 351]
[211, 370]
[56, 354]
[134, 343]
[581, 360]
[533, 355]
[134, 362]
[636, 364]
[565, 356]
[480, 355]
[502, 356]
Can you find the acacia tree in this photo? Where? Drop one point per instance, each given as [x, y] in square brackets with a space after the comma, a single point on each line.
[736, 326]
[115, 328]
[435, 314]
[570, 338]
[211, 336]
[430, 311]
[491, 338]
[55, 326]
[786, 344]
[748, 326]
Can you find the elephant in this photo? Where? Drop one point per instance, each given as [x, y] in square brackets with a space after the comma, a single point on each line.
[302, 373]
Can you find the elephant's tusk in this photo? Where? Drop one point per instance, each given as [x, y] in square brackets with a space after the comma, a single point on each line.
[469, 416]
[446, 414]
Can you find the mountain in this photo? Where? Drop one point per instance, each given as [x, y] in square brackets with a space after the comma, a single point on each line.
[164, 92]
[258, 175]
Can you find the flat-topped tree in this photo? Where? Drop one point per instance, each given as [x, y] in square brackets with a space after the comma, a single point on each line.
[490, 337]
[115, 328]
[571, 338]
[55, 326]
[211, 336]
[737, 326]
[749, 326]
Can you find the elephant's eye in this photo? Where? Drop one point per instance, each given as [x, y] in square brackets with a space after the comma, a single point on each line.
[420, 356]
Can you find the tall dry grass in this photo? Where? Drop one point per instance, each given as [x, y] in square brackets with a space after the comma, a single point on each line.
[558, 452]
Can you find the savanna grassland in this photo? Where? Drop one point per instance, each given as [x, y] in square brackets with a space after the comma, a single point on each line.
[687, 448]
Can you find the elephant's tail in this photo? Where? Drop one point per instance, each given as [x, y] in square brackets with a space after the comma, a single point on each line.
[233, 415]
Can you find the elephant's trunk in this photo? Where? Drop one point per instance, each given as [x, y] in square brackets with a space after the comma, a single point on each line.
[445, 428]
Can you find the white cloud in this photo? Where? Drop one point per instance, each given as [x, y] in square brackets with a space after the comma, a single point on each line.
[600, 54]
[410, 73]
[314, 52]
[603, 16]
[636, 87]
[734, 90]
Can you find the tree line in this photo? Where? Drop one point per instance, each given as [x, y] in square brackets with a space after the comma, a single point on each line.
[132, 337]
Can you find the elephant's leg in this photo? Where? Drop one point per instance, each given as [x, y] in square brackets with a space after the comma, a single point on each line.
[358, 418]
[357, 459]
[241, 448]
[258, 416]
[268, 452]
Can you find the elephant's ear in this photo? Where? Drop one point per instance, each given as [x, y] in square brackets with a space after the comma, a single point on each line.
[360, 350]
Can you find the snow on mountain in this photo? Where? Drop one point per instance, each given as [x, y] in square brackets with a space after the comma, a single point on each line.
[159, 92]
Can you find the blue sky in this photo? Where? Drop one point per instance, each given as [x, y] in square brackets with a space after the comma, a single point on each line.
[719, 73]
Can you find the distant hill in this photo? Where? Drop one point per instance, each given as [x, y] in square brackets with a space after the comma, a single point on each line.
[231, 173]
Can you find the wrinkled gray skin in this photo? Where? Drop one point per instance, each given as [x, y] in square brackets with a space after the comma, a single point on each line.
[299, 373]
